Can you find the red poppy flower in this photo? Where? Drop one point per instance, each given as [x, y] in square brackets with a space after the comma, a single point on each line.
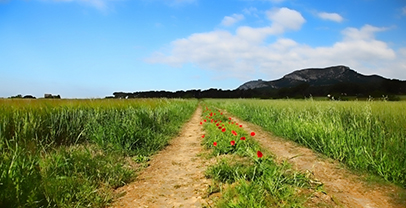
[259, 154]
[214, 143]
[242, 138]
[252, 133]
[201, 123]
[203, 136]
[214, 114]
[240, 125]
[217, 124]
[229, 118]
[223, 130]
[205, 120]
[232, 143]
[220, 127]
[221, 113]
[233, 132]
[211, 114]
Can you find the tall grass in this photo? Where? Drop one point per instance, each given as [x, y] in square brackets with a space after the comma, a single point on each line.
[252, 181]
[71, 153]
[367, 136]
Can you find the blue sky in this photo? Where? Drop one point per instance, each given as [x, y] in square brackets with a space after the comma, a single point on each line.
[92, 48]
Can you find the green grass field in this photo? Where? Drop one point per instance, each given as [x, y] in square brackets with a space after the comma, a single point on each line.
[71, 153]
[244, 173]
[366, 136]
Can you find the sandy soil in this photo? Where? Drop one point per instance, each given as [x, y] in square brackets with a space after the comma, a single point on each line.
[175, 177]
[343, 189]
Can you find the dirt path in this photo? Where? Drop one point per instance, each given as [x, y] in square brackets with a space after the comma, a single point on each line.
[343, 188]
[175, 177]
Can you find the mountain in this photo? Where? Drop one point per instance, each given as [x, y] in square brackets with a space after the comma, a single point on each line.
[315, 77]
[340, 82]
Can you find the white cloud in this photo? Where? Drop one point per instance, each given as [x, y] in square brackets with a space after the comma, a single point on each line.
[367, 32]
[230, 20]
[284, 18]
[246, 52]
[330, 16]
[404, 10]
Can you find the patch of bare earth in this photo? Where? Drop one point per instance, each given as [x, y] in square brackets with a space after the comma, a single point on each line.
[342, 188]
[175, 177]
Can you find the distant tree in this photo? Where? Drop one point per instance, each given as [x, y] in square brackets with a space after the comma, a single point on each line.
[29, 97]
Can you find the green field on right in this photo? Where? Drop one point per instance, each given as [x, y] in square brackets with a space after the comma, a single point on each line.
[365, 135]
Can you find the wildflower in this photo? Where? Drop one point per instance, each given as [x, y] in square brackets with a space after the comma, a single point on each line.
[203, 136]
[201, 123]
[214, 143]
[229, 118]
[217, 124]
[240, 125]
[252, 133]
[232, 143]
[205, 120]
[259, 154]
[221, 113]
[242, 138]
[220, 127]
[223, 130]
[233, 132]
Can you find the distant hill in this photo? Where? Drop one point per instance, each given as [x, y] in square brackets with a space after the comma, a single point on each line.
[338, 81]
[315, 77]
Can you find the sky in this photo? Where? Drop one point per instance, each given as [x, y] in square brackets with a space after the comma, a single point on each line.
[92, 48]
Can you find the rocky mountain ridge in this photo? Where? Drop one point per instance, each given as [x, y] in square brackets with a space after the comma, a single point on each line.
[314, 77]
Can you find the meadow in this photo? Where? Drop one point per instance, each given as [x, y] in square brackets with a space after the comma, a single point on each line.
[366, 136]
[73, 153]
[245, 174]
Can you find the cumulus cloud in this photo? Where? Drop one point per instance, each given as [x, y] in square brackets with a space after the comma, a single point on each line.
[284, 18]
[330, 16]
[245, 52]
[230, 20]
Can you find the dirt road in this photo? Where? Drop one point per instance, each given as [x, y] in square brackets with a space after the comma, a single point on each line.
[175, 177]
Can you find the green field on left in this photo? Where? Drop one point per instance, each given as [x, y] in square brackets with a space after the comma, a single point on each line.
[73, 153]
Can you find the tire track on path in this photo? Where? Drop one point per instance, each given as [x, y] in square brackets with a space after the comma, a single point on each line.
[343, 188]
[175, 177]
